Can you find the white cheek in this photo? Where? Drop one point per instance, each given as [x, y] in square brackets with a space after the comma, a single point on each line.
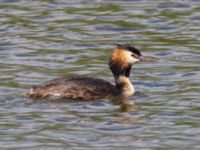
[132, 60]
[129, 58]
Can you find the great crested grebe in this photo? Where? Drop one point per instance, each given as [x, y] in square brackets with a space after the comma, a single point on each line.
[87, 88]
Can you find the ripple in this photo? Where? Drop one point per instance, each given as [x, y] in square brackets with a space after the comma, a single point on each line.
[41, 40]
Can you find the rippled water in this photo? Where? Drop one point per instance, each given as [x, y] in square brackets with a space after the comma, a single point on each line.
[41, 40]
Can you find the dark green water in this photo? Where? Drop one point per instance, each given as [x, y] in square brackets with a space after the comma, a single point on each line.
[41, 40]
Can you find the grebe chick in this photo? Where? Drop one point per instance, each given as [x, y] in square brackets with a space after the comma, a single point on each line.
[87, 88]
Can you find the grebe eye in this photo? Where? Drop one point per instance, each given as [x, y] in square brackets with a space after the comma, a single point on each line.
[134, 55]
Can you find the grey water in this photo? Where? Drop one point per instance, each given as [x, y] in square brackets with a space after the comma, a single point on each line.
[45, 39]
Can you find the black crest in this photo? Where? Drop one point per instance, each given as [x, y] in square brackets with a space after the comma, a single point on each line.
[129, 48]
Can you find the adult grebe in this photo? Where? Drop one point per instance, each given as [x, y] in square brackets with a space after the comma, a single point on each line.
[86, 88]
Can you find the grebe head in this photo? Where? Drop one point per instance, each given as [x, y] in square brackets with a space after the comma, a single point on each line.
[122, 58]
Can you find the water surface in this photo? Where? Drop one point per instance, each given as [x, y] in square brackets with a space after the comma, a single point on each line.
[44, 39]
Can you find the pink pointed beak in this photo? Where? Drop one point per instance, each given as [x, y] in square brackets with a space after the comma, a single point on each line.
[146, 59]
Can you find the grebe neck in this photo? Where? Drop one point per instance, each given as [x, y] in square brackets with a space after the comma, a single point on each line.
[124, 86]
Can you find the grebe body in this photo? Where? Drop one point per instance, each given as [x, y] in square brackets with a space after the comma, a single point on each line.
[87, 88]
[76, 87]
